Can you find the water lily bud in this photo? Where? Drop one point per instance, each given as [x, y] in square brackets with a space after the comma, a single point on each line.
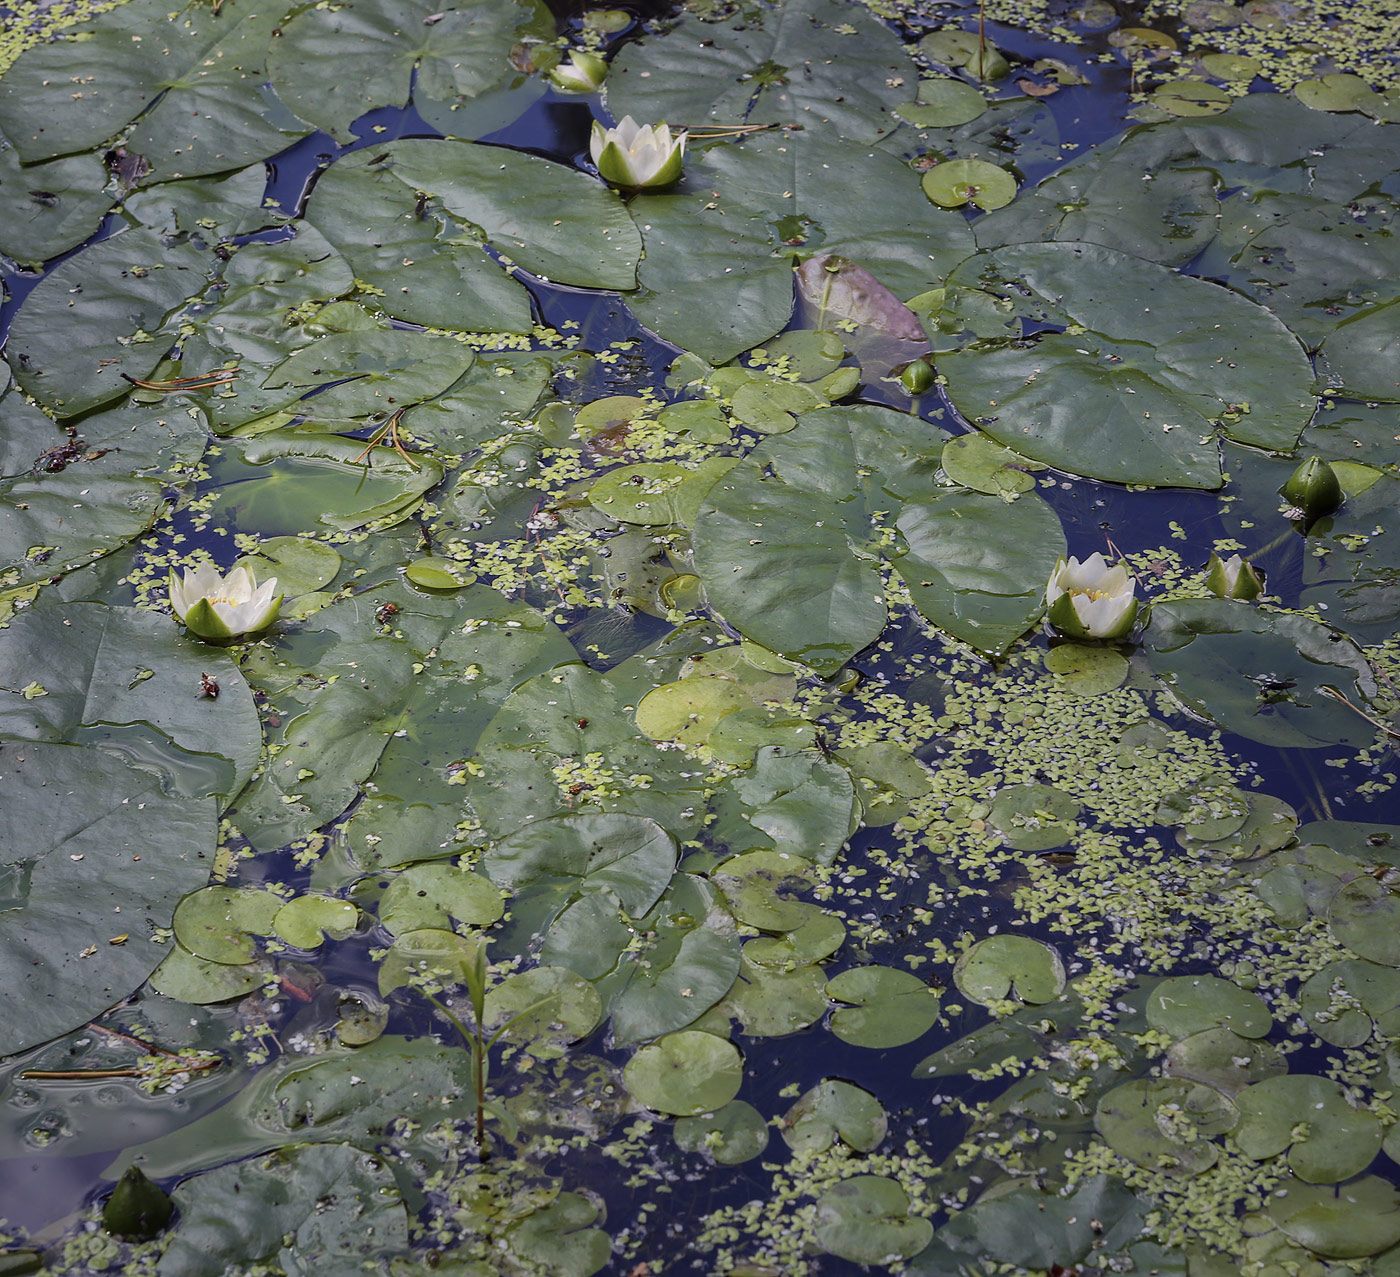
[217, 608]
[137, 1209]
[1234, 578]
[1091, 600]
[917, 377]
[634, 156]
[1313, 489]
[582, 73]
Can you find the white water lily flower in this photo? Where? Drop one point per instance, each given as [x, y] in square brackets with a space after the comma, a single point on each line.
[582, 73]
[634, 156]
[1091, 600]
[215, 607]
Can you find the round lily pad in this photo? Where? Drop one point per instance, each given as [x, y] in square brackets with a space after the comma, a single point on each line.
[1191, 98]
[1327, 1139]
[866, 1219]
[689, 710]
[430, 895]
[1335, 93]
[1034, 817]
[544, 1006]
[685, 1073]
[983, 465]
[300, 564]
[1087, 671]
[943, 103]
[1183, 1005]
[1347, 1001]
[834, 1110]
[644, 494]
[1209, 810]
[307, 920]
[1365, 917]
[733, 1134]
[1002, 965]
[759, 886]
[363, 1017]
[771, 1001]
[888, 1007]
[817, 938]
[957, 182]
[1165, 1124]
[188, 978]
[1361, 1218]
[219, 923]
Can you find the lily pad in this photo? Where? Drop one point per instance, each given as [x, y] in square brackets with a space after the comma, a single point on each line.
[1002, 966]
[1066, 398]
[218, 923]
[834, 1110]
[957, 182]
[732, 1135]
[1364, 916]
[1349, 1000]
[1182, 1005]
[306, 921]
[1362, 1218]
[866, 1220]
[94, 867]
[887, 1007]
[1034, 817]
[338, 1204]
[330, 66]
[1327, 1138]
[1165, 1124]
[685, 1074]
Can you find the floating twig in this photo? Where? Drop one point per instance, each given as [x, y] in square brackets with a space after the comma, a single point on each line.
[390, 431]
[204, 381]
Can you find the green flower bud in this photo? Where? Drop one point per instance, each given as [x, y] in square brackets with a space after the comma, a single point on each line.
[917, 377]
[1234, 578]
[1313, 489]
[137, 1209]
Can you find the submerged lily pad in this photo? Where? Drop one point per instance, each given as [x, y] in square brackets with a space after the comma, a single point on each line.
[1165, 1124]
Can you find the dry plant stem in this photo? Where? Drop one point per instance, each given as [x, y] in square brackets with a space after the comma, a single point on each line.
[389, 430]
[1337, 696]
[205, 381]
[97, 1075]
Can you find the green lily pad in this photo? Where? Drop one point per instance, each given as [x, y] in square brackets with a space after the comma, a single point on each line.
[1191, 98]
[1183, 1005]
[834, 1110]
[1349, 1000]
[1065, 398]
[544, 1006]
[975, 462]
[1002, 966]
[429, 895]
[435, 573]
[1327, 1138]
[866, 1220]
[299, 564]
[685, 1074]
[690, 710]
[942, 103]
[718, 73]
[1165, 1124]
[1222, 1059]
[192, 979]
[1363, 916]
[338, 1204]
[332, 66]
[685, 974]
[732, 1135]
[219, 923]
[1034, 817]
[306, 921]
[1260, 674]
[772, 1002]
[1362, 1218]
[1085, 670]
[887, 1007]
[957, 182]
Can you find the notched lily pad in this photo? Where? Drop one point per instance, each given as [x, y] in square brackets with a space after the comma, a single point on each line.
[1002, 966]
[1165, 1124]
[685, 1073]
[888, 1007]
